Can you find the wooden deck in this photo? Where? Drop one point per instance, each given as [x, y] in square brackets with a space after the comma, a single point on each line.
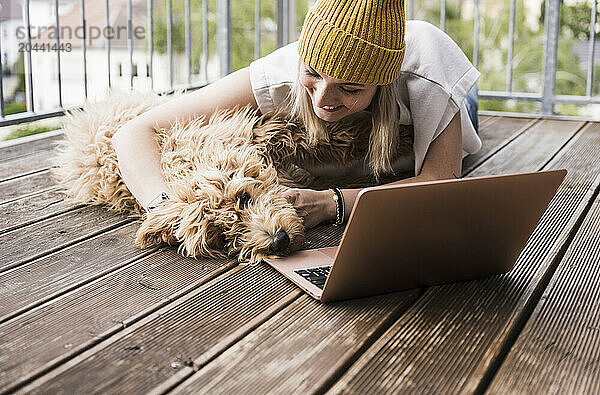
[83, 310]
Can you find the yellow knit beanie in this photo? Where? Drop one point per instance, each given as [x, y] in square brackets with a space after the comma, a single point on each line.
[359, 41]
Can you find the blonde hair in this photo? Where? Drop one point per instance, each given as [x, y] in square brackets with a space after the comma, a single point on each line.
[384, 138]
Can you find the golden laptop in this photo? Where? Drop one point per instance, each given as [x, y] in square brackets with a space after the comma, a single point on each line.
[414, 235]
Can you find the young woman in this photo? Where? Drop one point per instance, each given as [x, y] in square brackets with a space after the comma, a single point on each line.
[352, 56]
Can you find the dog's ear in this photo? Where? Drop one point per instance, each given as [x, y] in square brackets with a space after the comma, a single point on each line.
[189, 224]
[200, 235]
[160, 225]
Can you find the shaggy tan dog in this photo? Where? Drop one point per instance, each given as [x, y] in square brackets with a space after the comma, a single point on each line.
[226, 176]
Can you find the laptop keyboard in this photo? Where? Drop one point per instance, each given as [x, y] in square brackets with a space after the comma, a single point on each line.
[316, 275]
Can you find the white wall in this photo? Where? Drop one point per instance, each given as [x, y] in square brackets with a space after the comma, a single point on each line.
[45, 75]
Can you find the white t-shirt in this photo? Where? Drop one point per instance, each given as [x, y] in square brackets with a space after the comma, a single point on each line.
[434, 80]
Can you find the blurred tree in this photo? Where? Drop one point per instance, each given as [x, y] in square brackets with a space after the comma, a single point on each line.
[527, 50]
[242, 23]
[574, 19]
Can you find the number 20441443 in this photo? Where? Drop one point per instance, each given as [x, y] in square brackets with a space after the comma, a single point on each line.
[46, 47]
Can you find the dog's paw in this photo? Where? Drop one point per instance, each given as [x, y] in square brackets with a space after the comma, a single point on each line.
[160, 225]
[186, 224]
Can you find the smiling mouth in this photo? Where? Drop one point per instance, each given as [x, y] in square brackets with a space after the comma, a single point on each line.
[330, 108]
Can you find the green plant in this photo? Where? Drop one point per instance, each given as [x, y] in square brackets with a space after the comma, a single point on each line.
[242, 23]
[14, 108]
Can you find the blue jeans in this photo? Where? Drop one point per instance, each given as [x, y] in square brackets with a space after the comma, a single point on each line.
[472, 104]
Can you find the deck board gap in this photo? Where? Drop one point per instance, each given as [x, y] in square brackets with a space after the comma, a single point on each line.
[42, 218]
[75, 286]
[65, 245]
[383, 328]
[28, 173]
[500, 147]
[567, 143]
[222, 346]
[28, 195]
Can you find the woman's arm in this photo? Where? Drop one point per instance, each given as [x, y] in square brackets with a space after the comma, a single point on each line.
[135, 144]
[443, 160]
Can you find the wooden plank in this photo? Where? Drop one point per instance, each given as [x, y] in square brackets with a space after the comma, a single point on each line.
[557, 351]
[13, 149]
[33, 241]
[534, 148]
[495, 136]
[32, 284]
[32, 209]
[33, 163]
[28, 185]
[114, 301]
[48, 335]
[455, 333]
[486, 119]
[301, 348]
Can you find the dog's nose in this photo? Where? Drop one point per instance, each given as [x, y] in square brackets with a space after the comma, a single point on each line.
[279, 242]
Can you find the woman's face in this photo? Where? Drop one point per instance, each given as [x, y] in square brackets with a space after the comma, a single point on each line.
[333, 99]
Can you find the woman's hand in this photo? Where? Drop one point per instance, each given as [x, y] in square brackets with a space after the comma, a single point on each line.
[313, 206]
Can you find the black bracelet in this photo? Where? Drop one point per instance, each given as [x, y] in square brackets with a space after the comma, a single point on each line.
[339, 206]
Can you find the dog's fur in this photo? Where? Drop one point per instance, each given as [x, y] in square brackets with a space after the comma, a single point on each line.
[226, 176]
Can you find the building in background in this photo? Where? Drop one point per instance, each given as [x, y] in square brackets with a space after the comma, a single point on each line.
[95, 73]
[10, 20]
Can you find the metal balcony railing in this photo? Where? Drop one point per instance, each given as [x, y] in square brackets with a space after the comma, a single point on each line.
[285, 19]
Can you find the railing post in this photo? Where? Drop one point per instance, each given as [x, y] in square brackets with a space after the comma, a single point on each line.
[1, 77]
[28, 66]
[84, 47]
[188, 44]
[170, 41]
[224, 36]
[283, 22]
[205, 38]
[591, 51]
[551, 29]
[256, 29]
[58, 64]
[109, 33]
[150, 43]
[476, 18]
[291, 17]
[130, 41]
[511, 44]
[279, 21]
[443, 16]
